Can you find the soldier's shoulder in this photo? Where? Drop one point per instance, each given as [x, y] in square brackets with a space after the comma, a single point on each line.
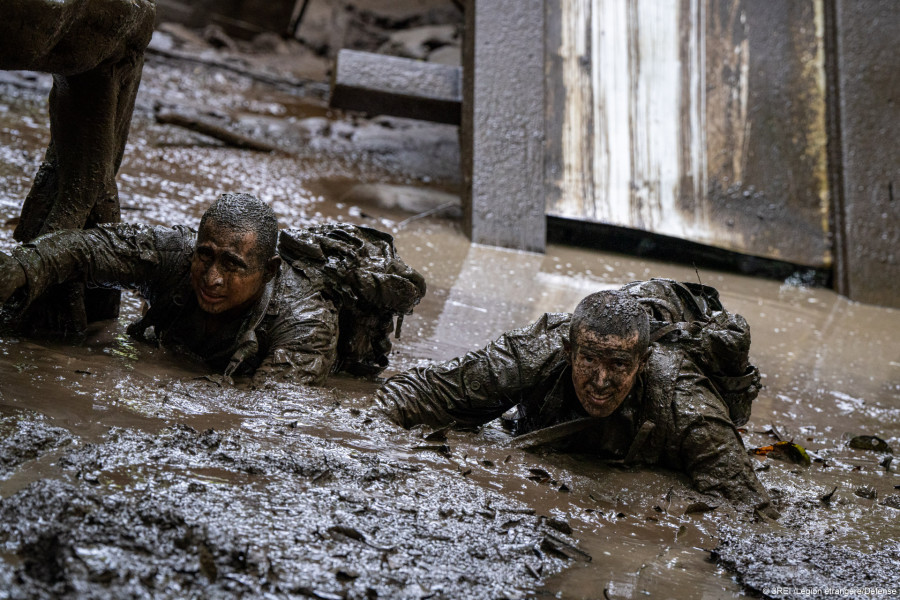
[548, 322]
[178, 238]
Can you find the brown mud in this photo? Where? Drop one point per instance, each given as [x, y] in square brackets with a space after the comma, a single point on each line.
[125, 472]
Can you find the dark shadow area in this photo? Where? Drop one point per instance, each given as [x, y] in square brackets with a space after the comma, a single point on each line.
[643, 244]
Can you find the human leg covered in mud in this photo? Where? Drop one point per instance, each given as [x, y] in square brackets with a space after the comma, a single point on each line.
[95, 51]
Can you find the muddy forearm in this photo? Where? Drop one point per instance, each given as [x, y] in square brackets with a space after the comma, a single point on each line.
[304, 346]
[113, 257]
[409, 399]
[480, 386]
[718, 464]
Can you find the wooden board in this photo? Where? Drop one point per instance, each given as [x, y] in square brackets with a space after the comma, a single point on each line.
[697, 119]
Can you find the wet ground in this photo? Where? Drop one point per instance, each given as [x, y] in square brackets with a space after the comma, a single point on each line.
[125, 473]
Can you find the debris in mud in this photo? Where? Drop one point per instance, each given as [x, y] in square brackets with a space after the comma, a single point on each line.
[559, 525]
[557, 547]
[892, 501]
[867, 492]
[826, 498]
[869, 442]
[26, 436]
[438, 435]
[791, 557]
[442, 449]
[221, 513]
[784, 451]
[699, 507]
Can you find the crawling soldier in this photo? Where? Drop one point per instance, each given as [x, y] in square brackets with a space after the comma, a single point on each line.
[595, 379]
[237, 294]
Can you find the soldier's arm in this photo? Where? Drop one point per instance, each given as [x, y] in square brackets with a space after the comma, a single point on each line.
[112, 256]
[479, 386]
[712, 451]
[303, 344]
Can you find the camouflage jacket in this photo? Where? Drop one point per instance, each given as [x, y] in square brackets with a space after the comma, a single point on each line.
[673, 416]
[293, 332]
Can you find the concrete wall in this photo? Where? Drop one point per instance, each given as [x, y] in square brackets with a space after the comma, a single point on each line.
[866, 152]
[503, 123]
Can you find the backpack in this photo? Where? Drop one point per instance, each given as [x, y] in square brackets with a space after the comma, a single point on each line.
[690, 316]
[359, 270]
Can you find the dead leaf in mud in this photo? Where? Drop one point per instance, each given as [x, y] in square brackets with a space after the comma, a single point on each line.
[215, 380]
[785, 451]
[699, 507]
[539, 475]
[827, 497]
[892, 501]
[866, 492]
[562, 549]
[559, 525]
[443, 449]
[350, 532]
[355, 534]
[438, 435]
[870, 442]
[344, 575]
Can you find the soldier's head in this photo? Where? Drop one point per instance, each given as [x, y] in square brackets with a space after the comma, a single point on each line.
[608, 346]
[235, 255]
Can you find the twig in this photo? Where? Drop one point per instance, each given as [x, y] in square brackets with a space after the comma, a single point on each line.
[218, 132]
[427, 213]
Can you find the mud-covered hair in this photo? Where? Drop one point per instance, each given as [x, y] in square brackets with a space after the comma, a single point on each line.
[611, 312]
[246, 213]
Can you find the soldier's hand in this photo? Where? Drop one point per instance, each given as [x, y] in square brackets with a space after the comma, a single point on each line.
[12, 276]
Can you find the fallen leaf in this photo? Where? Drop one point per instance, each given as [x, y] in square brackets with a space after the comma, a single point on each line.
[786, 451]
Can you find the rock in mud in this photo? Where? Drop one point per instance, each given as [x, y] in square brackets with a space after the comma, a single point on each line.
[869, 442]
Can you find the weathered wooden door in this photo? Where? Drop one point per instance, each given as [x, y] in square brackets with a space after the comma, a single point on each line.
[698, 119]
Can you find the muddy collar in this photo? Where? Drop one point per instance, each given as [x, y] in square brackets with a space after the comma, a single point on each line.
[246, 341]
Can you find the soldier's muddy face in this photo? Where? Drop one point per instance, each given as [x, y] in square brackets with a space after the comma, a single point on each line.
[604, 369]
[226, 272]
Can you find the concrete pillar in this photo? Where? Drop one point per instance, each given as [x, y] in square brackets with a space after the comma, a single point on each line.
[502, 133]
[864, 112]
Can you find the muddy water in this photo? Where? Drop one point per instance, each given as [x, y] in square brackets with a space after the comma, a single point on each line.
[314, 492]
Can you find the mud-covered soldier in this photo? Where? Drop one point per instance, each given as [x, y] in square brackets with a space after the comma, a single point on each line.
[593, 382]
[225, 295]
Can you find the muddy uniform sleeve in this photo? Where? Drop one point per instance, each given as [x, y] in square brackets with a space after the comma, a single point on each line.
[112, 256]
[478, 387]
[302, 342]
[712, 452]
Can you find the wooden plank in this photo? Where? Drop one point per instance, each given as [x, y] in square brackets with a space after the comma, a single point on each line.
[401, 87]
[503, 123]
[696, 119]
